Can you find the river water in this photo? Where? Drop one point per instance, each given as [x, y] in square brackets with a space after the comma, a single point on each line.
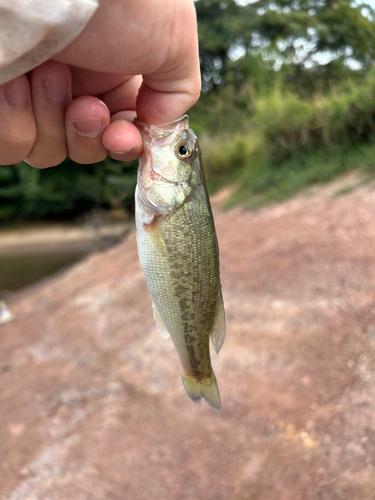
[18, 271]
[29, 254]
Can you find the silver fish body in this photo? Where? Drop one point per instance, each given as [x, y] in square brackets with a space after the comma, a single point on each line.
[178, 251]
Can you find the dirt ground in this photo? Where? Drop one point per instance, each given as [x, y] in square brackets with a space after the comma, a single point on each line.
[91, 403]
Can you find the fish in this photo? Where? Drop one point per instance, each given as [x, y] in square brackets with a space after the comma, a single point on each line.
[178, 251]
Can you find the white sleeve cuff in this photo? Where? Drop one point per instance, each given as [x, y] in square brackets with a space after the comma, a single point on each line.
[33, 31]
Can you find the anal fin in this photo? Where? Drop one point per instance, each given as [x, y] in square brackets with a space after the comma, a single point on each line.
[218, 330]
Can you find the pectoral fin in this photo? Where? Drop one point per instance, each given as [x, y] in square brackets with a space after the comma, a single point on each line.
[159, 323]
[218, 330]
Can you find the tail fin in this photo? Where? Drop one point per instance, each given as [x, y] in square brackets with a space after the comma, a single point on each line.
[207, 388]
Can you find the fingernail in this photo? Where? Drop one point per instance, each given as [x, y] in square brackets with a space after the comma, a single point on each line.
[123, 155]
[89, 127]
[55, 86]
[17, 93]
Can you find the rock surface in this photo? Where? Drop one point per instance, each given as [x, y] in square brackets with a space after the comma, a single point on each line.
[91, 403]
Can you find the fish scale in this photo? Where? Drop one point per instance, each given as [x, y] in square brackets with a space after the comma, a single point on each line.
[179, 253]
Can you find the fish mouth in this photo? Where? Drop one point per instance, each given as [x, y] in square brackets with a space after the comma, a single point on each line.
[163, 130]
[160, 133]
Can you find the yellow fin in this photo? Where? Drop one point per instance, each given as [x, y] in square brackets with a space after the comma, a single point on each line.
[162, 329]
[218, 330]
[208, 389]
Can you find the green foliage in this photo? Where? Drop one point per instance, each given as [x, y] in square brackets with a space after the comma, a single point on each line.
[303, 47]
[302, 34]
[222, 26]
[65, 191]
[286, 122]
[292, 143]
[267, 184]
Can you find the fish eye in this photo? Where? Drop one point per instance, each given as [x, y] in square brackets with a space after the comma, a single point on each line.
[184, 151]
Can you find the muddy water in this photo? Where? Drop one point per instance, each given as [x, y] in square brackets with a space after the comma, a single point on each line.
[18, 271]
[29, 254]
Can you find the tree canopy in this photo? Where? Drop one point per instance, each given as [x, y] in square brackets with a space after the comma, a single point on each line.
[320, 37]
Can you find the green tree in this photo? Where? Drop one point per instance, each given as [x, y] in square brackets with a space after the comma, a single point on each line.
[65, 191]
[321, 37]
[223, 28]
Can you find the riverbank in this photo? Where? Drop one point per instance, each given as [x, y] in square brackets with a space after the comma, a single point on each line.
[61, 237]
[92, 404]
[29, 254]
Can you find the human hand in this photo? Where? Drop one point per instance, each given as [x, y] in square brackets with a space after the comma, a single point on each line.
[82, 103]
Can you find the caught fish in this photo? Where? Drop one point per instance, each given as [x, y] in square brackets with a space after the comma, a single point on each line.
[178, 251]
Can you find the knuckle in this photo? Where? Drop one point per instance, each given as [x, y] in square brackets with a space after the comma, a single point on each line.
[87, 159]
[49, 150]
[45, 161]
[195, 90]
[15, 149]
[9, 160]
[57, 161]
[19, 140]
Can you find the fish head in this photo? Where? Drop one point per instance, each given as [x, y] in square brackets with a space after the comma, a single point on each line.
[169, 165]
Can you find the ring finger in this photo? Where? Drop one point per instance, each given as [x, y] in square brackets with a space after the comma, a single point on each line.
[18, 130]
[51, 95]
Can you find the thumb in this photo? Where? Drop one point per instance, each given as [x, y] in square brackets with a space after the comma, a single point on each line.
[156, 105]
[166, 94]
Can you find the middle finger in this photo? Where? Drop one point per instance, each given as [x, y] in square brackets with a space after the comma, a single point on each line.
[86, 119]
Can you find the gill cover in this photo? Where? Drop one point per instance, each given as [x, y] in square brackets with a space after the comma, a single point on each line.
[169, 165]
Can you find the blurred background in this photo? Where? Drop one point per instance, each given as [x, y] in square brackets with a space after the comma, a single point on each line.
[91, 404]
[288, 101]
